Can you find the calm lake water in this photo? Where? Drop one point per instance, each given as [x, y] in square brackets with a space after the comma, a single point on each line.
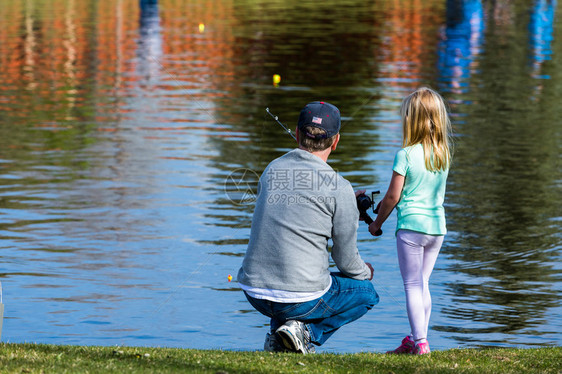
[125, 127]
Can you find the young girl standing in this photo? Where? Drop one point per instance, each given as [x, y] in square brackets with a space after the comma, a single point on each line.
[417, 189]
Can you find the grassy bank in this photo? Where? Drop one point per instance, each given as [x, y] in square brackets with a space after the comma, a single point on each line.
[33, 358]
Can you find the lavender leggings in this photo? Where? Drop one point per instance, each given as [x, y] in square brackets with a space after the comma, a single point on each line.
[417, 254]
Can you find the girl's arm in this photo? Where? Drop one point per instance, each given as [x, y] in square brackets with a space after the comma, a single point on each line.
[389, 201]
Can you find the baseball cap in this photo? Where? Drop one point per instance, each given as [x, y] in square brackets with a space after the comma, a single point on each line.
[321, 115]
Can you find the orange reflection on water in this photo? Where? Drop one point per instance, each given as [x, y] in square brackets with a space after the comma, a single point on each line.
[406, 39]
[62, 47]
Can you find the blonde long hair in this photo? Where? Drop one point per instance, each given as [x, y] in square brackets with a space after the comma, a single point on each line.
[425, 120]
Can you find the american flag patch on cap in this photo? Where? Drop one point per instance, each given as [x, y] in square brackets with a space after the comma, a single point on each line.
[317, 120]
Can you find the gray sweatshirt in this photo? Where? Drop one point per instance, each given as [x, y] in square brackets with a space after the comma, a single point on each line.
[302, 203]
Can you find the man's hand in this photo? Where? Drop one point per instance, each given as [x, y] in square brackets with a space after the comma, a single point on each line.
[372, 270]
[359, 192]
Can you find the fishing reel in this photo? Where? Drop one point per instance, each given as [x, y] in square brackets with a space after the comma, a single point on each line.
[364, 203]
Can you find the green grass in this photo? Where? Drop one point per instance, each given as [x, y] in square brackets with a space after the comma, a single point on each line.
[38, 358]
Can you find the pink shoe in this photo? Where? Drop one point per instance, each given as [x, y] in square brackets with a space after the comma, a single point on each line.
[421, 349]
[407, 346]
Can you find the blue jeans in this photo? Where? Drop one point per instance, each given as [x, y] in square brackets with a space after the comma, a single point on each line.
[345, 301]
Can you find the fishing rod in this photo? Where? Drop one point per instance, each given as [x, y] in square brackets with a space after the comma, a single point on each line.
[282, 125]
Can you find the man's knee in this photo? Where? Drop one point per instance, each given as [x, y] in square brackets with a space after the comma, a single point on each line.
[368, 294]
[372, 297]
[362, 290]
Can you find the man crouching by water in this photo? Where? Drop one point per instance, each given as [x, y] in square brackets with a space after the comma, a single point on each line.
[302, 203]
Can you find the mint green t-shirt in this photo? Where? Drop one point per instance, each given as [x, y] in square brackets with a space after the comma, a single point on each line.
[421, 204]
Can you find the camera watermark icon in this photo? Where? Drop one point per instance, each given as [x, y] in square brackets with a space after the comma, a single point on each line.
[241, 186]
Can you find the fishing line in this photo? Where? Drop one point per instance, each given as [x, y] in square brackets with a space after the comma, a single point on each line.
[389, 295]
[187, 279]
[358, 109]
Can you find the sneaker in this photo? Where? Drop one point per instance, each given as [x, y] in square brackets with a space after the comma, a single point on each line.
[421, 349]
[272, 344]
[407, 346]
[295, 337]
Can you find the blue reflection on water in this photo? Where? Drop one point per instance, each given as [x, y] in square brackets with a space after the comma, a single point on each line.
[460, 44]
[541, 34]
